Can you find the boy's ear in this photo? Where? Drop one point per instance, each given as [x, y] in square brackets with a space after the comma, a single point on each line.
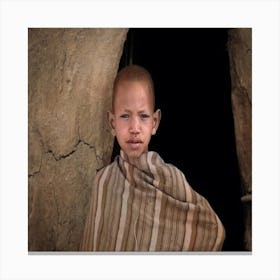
[156, 120]
[111, 121]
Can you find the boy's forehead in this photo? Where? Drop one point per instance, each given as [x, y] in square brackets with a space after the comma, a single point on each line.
[132, 83]
[127, 88]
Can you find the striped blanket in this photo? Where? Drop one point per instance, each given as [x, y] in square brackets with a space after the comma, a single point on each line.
[147, 205]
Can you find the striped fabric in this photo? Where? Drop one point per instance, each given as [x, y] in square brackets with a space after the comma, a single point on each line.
[147, 205]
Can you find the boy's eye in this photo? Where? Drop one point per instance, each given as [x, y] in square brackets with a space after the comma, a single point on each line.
[124, 116]
[144, 116]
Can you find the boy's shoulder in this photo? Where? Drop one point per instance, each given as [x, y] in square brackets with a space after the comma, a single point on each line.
[165, 164]
[166, 167]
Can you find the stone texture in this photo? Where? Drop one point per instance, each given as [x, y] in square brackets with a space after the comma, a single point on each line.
[240, 52]
[240, 55]
[70, 76]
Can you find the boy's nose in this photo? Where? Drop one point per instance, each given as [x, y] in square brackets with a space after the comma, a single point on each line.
[134, 125]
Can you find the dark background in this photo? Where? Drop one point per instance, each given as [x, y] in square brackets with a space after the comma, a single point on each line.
[190, 69]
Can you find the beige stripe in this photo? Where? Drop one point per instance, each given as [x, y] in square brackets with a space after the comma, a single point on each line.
[157, 205]
[156, 221]
[181, 192]
[189, 226]
[181, 226]
[123, 216]
[98, 211]
[189, 191]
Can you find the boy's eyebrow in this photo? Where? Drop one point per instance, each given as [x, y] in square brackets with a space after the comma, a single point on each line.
[127, 110]
[141, 111]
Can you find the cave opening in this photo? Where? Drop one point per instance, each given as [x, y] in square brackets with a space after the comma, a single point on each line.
[190, 69]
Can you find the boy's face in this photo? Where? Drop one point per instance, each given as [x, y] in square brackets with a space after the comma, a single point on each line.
[133, 119]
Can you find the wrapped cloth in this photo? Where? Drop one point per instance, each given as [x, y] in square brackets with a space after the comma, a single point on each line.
[148, 205]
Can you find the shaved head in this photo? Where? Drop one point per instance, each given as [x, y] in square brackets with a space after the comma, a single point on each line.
[134, 73]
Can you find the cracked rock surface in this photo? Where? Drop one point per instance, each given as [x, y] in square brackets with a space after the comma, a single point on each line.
[70, 76]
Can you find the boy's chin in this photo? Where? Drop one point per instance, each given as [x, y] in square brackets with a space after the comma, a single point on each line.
[134, 154]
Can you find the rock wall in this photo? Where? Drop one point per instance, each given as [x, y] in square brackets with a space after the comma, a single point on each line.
[240, 54]
[70, 76]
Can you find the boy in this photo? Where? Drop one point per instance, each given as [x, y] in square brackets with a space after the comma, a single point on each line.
[138, 202]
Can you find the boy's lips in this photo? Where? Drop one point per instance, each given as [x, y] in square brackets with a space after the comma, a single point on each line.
[134, 143]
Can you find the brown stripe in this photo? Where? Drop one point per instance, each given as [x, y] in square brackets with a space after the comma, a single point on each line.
[95, 199]
[183, 212]
[154, 200]
[131, 217]
[177, 192]
[146, 220]
[174, 235]
[117, 192]
[123, 214]
[169, 225]
[155, 226]
[208, 227]
[137, 222]
[103, 222]
[211, 229]
[88, 235]
[174, 218]
[220, 236]
[200, 233]
[107, 211]
[125, 245]
[167, 179]
[166, 227]
[161, 222]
